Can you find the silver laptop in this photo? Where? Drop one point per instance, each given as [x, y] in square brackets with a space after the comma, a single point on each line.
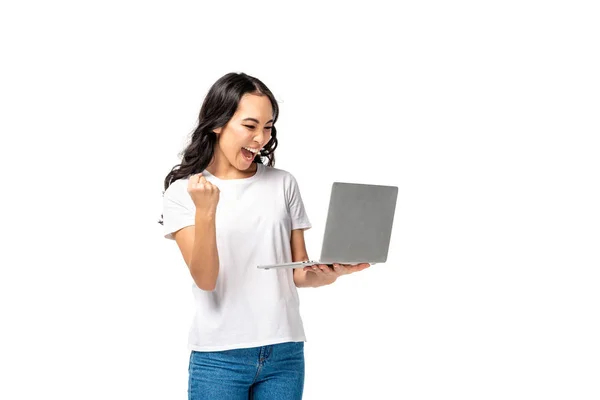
[358, 228]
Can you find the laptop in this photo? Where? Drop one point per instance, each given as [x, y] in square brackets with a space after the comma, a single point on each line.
[358, 227]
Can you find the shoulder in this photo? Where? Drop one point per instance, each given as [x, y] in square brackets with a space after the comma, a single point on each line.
[274, 172]
[284, 180]
[279, 174]
[177, 189]
[281, 178]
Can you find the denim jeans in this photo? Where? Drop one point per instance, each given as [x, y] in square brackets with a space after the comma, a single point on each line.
[272, 372]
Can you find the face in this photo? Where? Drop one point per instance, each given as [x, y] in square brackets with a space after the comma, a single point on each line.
[249, 127]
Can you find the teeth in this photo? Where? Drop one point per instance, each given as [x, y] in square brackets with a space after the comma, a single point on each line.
[251, 150]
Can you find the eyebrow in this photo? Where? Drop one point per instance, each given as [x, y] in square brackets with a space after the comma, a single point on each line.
[255, 120]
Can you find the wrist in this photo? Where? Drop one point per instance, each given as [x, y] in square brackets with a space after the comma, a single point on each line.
[204, 216]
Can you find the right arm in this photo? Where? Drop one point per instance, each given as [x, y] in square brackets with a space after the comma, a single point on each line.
[198, 246]
[198, 243]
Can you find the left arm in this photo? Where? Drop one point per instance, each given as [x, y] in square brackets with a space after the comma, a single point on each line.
[317, 275]
[302, 277]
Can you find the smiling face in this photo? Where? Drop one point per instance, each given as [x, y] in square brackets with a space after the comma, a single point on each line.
[250, 127]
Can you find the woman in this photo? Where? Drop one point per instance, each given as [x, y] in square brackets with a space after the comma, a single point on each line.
[228, 212]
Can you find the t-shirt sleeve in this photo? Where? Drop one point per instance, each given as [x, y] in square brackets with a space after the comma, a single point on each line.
[177, 213]
[296, 206]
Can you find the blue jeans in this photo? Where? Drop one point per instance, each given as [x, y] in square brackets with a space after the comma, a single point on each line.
[273, 372]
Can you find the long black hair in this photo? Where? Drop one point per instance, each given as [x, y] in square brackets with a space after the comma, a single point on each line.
[218, 107]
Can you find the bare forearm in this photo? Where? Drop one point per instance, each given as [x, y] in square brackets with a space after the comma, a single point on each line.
[204, 264]
[304, 278]
[299, 273]
[300, 277]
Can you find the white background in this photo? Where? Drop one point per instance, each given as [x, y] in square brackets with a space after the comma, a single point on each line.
[484, 114]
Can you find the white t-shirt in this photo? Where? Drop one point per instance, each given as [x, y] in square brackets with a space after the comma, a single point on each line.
[249, 307]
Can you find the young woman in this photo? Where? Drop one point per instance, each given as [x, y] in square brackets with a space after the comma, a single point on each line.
[229, 212]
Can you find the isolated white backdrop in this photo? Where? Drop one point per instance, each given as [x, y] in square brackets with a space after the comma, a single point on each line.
[485, 114]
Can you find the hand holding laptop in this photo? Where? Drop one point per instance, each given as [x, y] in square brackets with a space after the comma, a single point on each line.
[337, 269]
[327, 274]
[357, 230]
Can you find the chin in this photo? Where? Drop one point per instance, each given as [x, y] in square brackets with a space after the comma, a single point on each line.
[243, 164]
[240, 166]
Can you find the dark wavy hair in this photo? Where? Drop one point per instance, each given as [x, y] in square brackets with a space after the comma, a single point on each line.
[218, 107]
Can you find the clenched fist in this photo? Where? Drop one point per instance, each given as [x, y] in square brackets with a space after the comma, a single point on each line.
[204, 194]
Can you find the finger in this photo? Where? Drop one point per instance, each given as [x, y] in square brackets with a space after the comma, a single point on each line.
[204, 183]
[198, 185]
[208, 184]
[317, 270]
[326, 270]
[308, 268]
[359, 267]
[350, 268]
[192, 181]
[340, 269]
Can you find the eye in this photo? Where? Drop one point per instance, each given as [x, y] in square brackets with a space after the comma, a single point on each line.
[253, 127]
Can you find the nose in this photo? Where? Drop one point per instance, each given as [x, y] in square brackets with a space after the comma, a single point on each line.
[260, 138]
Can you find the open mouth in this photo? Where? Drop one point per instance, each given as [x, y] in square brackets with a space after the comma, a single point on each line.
[249, 153]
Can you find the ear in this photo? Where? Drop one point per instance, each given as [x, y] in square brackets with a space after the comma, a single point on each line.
[218, 130]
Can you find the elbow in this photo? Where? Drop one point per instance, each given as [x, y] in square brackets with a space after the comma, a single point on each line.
[204, 283]
[205, 280]
[205, 287]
